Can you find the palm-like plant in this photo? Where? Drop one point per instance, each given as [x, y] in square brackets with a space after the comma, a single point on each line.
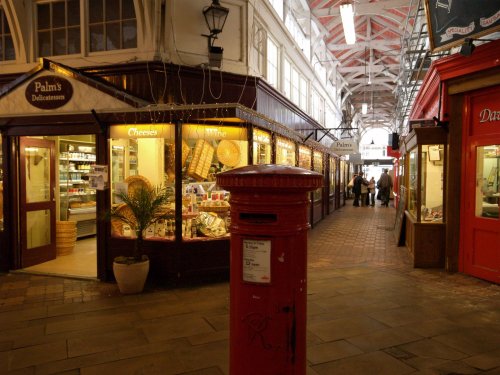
[145, 207]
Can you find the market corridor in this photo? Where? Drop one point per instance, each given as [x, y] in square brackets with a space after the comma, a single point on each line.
[369, 312]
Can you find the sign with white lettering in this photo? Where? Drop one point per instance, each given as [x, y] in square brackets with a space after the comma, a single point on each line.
[488, 115]
[450, 22]
[257, 261]
[344, 147]
[165, 131]
[49, 92]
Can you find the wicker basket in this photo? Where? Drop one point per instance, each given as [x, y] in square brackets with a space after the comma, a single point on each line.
[65, 237]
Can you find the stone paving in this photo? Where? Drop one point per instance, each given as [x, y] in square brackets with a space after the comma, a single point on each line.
[369, 312]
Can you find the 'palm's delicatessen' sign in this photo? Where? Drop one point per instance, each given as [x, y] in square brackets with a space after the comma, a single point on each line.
[49, 92]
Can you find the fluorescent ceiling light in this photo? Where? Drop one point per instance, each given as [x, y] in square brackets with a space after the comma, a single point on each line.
[364, 108]
[347, 14]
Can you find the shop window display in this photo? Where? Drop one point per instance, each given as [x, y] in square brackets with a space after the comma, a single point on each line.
[261, 147]
[285, 151]
[412, 182]
[487, 184]
[305, 158]
[318, 167]
[333, 173]
[144, 155]
[430, 183]
[212, 149]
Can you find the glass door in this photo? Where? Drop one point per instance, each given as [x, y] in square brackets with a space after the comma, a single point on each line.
[37, 201]
[482, 223]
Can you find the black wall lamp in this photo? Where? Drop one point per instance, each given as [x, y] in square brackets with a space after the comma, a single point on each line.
[215, 17]
[468, 45]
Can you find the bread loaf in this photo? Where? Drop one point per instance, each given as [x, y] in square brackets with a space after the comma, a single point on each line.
[202, 159]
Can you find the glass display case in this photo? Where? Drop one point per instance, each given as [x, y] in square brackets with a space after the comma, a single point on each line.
[426, 149]
[77, 199]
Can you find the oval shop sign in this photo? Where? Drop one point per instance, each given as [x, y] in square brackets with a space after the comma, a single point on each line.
[49, 92]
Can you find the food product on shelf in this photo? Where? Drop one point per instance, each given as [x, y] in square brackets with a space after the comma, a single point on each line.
[201, 161]
[211, 225]
[136, 182]
[170, 159]
[228, 153]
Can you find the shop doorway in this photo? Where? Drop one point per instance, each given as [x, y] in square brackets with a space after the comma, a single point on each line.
[57, 206]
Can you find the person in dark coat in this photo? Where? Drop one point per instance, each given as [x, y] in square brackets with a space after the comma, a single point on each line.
[385, 184]
[358, 181]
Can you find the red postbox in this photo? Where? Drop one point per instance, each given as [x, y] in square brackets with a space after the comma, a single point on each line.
[268, 288]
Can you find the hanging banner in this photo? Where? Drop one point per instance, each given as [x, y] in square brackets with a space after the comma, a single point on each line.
[344, 147]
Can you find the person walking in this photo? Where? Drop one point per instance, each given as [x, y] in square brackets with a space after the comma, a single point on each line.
[371, 188]
[385, 184]
[356, 189]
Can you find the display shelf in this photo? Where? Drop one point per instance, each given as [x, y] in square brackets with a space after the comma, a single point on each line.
[425, 149]
[75, 159]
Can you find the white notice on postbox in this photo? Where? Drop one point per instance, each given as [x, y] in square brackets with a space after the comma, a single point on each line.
[257, 261]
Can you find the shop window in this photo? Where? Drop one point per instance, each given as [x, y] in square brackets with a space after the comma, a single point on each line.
[7, 51]
[318, 167]
[333, 173]
[208, 150]
[412, 182]
[143, 155]
[261, 147]
[285, 151]
[112, 25]
[487, 184]
[432, 162]
[305, 158]
[343, 172]
[58, 28]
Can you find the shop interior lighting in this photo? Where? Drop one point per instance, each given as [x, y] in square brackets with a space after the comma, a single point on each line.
[347, 15]
[364, 108]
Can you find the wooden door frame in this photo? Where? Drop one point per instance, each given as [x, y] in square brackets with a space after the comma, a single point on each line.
[45, 252]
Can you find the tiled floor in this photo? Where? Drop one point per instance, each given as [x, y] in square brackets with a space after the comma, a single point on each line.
[369, 312]
[81, 262]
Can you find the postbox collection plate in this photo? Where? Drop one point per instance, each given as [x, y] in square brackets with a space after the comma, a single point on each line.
[257, 261]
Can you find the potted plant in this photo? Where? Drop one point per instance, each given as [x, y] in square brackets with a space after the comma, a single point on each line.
[140, 209]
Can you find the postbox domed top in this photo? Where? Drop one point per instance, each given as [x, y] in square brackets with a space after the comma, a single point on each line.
[270, 176]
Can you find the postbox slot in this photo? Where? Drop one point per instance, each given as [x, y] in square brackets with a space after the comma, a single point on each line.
[258, 218]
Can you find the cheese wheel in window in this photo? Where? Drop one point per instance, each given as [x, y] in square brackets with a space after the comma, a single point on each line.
[228, 153]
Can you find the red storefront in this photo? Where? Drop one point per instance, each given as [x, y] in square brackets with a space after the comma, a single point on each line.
[463, 94]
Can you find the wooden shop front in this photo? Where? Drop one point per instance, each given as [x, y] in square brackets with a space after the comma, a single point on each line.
[461, 93]
[181, 147]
